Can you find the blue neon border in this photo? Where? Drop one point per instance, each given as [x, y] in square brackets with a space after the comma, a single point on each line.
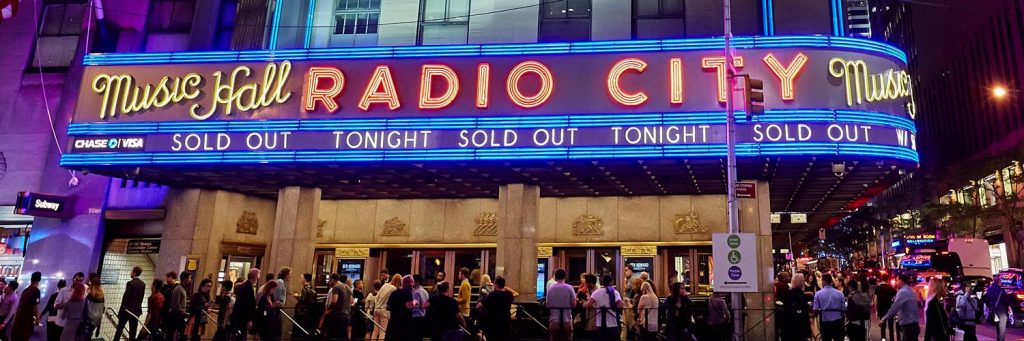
[472, 154]
[488, 122]
[768, 17]
[475, 50]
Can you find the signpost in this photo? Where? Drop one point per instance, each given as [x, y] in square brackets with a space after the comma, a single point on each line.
[44, 205]
[746, 190]
[738, 273]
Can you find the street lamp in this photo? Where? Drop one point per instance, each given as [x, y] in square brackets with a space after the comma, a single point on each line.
[1000, 91]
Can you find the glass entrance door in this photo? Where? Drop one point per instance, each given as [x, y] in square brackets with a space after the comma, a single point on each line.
[233, 267]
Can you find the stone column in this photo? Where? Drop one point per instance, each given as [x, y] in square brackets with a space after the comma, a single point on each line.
[298, 211]
[518, 208]
[755, 217]
[187, 229]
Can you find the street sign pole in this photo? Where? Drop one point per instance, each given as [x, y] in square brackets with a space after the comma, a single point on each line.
[730, 140]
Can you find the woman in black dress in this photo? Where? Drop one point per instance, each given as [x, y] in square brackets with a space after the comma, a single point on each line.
[936, 325]
[199, 307]
[797, 311]
[269, 313]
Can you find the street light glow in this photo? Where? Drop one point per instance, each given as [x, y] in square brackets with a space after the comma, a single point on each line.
[1000, 91]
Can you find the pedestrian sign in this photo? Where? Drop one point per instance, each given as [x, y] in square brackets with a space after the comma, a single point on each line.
[739, 272]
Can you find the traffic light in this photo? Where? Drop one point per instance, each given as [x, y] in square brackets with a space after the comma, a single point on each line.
[753, 96]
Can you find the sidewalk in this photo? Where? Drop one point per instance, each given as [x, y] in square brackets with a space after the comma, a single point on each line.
[985, 333]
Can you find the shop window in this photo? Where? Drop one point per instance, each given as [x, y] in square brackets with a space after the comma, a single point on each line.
[567, 20]
[705, 281]
[59, 32]
[444, 22]
[576, 265]
[323, 266]
[659, 19]
[606, 263]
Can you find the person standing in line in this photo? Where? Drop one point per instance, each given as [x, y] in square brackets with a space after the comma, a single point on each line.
[382, 315]
[283, 277]
[560, 301]
[628, 276]
[422, 297]
[336, 318]
[936, 321]
[446, 316]
[131, 305]
[244, 312]
[486, 286]
[439, 277]
[829, 304]
[225, 302]
[884, 295]
[307, 313]
[199, 307]
[998, 303]
[796, 311]
[679, 313]
[608, 304]
[384, 277]
[497, 306]
[359, 304]
[858, 307]
[719, 315]
[96, 302]
[64, 296]
[907, 308]
[969, 309]
[74, 315]
[155, 305]
[176, 307]
[53, 330]
[370, 308]
[8, 305]
[401, 304]
[269, 313]
[647, 309]
[588, 317]
[465, 292]
[28, 310]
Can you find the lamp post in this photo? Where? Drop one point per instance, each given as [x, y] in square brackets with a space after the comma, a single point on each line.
[730, 140]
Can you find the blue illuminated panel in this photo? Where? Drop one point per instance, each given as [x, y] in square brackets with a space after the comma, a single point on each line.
[815, 41]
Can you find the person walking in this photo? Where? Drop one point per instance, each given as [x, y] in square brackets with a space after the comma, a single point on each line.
[401, 303]
[998, 303]
[244, 312]
[96, 301]
[336, 318]
[382, 315]
[131, 305]
[906, 308]
[679, 313]
[969, 309]
[858, 308]
[307, 309]
[53, 330]
[608, 303]
[647, 309]
[829, 304]
[796, 311]
[198, 309]
[28, 310]
[560, 302]
[269, 313]
[74, 315]
[155, 304]
[497, 307]
[936, 321]
[224, 302]
[883, 298]
[444, 312]
[719, 316]
[8, 305]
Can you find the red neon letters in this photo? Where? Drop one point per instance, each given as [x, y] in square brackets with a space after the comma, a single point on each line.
[380, 89]
[314, 92]
[718, 63]
[547, 84]
[427, 100]
[617, 94]
[786, 74]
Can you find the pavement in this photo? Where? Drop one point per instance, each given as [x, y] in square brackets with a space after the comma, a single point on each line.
[985, 333]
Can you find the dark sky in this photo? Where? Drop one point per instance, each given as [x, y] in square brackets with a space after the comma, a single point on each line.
[943, 26]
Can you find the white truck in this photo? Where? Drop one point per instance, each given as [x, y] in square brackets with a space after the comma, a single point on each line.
[974, 256]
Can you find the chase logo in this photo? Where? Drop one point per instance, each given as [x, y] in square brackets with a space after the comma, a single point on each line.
[97, 144]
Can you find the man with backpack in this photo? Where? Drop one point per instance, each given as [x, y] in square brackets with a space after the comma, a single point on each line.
[608, 304]
[967, 313]
[858, 312]
[999, 305]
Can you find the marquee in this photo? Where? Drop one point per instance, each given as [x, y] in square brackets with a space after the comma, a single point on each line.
[588, 100]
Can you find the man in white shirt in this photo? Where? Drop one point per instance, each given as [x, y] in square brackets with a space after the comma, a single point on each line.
[64, 296]
[608, 303]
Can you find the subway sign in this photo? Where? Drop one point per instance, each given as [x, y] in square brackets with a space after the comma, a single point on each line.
[44, 205]
[591, 100]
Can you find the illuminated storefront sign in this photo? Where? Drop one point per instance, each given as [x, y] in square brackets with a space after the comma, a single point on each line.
[43, 205]
[826, 95]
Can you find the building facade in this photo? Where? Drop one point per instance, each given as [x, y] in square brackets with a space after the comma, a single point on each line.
[331, 135]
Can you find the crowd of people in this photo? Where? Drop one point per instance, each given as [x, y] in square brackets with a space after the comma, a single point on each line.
[813, 305]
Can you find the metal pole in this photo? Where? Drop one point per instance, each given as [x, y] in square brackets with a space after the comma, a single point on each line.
[730, 140]
[792, 266]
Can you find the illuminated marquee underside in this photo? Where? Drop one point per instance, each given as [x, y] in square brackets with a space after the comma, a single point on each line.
[595, 100]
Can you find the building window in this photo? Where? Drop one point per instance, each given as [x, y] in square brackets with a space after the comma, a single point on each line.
[225, 24]
[444, 22]
[60, 30]
[658, 19]
[171, 15]
[356, 16]
[565, 20]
